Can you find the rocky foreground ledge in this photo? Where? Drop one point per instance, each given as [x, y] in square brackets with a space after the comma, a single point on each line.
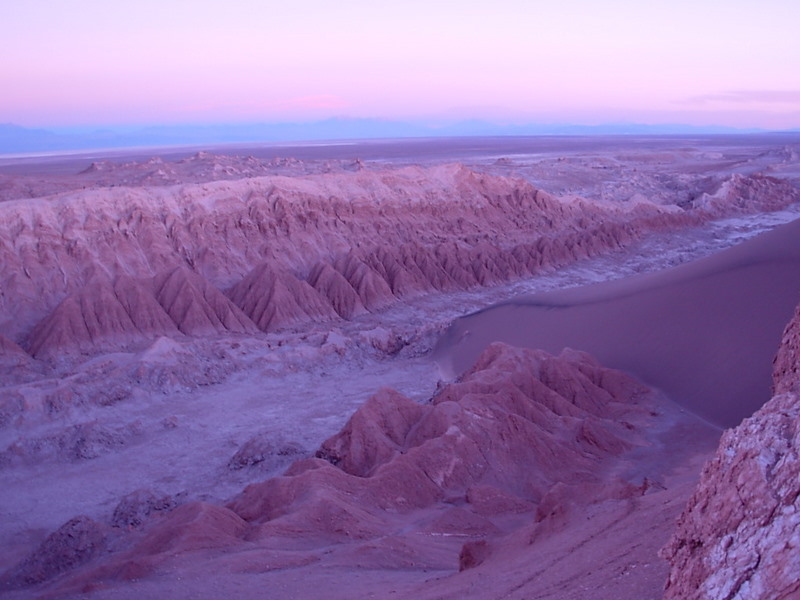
[739, 536]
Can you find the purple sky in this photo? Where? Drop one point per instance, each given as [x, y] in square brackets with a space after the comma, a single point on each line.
[705, 62]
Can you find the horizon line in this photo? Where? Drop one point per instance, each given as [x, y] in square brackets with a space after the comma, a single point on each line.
[30, 143]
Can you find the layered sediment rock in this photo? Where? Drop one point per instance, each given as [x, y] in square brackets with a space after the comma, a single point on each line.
[103, 317]
[275, 299]
[739, 536]
[743, 193]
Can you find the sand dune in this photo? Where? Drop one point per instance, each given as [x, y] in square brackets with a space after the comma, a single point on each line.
[704, 332]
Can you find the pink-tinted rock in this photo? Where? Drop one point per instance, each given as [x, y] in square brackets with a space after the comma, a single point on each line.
[403, 278]
[390, 234]
[192, 526]
[742, 193]
[426, 261]
[455, 262]
[275, 299]
[101, 315]
[332, 285]
[488, 439]
[373, 435]
[786, 366]
[373, 290]
[197, 307]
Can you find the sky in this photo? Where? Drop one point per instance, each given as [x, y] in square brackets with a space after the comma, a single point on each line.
[103, 62]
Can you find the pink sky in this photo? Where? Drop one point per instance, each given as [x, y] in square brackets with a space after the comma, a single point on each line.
[84, 62]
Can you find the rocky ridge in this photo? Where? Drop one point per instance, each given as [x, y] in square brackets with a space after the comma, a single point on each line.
[96, 270]
[89, 268]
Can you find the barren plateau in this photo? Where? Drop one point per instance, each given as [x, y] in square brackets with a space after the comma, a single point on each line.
[493, 368]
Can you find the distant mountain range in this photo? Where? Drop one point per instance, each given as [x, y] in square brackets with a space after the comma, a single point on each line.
[21, 140]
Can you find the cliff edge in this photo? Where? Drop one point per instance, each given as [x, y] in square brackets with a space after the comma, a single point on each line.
[739, 536]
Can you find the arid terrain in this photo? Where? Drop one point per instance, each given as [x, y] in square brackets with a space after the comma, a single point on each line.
[558, 368]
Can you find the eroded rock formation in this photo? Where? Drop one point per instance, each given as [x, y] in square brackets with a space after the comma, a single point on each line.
[105, 268]
[519, 421]
[77, 268]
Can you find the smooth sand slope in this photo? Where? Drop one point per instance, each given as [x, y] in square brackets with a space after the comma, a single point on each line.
[704, 332]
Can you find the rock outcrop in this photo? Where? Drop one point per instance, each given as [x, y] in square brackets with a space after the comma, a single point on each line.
[74, 544]
[101, 316]
[516, 424]
[275, 299]
[739, 536]
[293, 250]
[332, 284]
[786, 366]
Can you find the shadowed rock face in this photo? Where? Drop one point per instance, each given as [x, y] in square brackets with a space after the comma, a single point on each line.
[739, 536]
[101, 316]
[275, 299]
[786, 366]
[332, 285]
[16, 365]
[743, 193]
[74, 544]
[196, 306]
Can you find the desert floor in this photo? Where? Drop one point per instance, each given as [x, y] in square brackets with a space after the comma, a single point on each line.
[176, 428]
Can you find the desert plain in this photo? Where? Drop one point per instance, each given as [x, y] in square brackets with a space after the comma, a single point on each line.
[442, 368]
